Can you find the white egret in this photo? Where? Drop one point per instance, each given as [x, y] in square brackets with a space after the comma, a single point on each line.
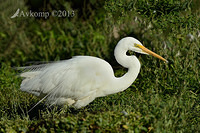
[78, 81]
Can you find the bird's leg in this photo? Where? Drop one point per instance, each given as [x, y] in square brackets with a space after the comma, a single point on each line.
[70, 101]
[83, 102]
[63, 100]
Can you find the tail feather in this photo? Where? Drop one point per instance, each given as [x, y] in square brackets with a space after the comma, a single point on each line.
[31, 84]
[29, 74]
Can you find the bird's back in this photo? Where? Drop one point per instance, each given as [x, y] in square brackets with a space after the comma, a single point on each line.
[75, 78]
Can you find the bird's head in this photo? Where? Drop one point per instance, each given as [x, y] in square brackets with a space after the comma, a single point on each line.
[136, 46]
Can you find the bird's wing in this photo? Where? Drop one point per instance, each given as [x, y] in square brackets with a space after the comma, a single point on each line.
[79, 77]
[75, 78]
[44, 78]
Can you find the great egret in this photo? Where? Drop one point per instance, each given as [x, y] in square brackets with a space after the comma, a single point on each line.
[78, 81]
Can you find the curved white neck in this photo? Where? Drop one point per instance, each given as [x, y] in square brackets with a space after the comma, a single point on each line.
[130, 62]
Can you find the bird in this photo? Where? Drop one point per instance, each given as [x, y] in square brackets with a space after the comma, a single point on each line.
[78, 81]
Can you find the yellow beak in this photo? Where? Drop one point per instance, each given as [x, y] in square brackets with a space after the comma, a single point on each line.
[151, 52]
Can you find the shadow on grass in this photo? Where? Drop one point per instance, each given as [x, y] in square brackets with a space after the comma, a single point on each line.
[41, 110]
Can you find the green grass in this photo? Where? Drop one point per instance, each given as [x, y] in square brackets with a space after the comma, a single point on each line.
[164, 97]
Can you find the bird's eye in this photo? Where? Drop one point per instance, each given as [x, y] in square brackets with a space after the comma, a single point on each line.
[136, 45]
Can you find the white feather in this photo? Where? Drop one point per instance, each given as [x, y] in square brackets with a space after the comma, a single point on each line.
[67, 79]
[78, 81]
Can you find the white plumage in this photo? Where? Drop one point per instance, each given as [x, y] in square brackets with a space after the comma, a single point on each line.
[78, 81]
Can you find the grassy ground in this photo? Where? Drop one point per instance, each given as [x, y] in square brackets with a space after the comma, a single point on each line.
[164, 97]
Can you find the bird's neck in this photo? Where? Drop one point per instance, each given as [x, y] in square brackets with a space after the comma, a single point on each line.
[122, 83]
[133, 65]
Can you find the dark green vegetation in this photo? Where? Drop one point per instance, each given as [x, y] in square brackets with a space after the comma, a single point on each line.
[164, 97]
